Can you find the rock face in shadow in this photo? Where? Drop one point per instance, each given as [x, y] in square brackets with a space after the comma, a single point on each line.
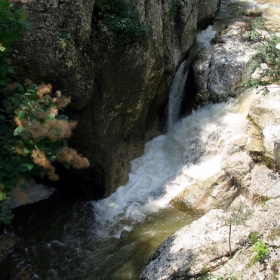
[119, 92]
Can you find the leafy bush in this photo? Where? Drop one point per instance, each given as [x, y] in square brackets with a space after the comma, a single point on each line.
[11, 22]
[267, 58]
[253, 238]
[122, 18]
[6, 215]
[33, 133]
[261, 249]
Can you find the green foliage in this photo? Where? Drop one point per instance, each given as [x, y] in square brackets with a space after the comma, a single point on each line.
[63, 43]
[6, 214]
[268, 52]
[11, 22]
[237, 216]
[255, 32]
[33, 136]
[174, 8]
[122, 18]
[253, 238]
[261, 249]
[32, 132]
[204, 270]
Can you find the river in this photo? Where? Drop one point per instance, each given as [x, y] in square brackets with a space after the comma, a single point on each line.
[114, 238]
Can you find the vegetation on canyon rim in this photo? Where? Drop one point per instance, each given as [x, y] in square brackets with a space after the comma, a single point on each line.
[122, 18]
[266, 61]
[33, 132]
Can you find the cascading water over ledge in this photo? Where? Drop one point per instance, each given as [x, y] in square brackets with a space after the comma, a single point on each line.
[113, 238]
[176, 93]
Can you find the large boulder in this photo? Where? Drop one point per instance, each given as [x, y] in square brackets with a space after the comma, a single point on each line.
[264, 114]
[203, 246]
[200, 197]
[220, 69]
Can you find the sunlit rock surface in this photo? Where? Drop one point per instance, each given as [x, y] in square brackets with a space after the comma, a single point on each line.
[204, 245]
[33, 193]
[249, 169]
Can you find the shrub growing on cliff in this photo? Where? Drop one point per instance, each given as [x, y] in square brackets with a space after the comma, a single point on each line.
[33, 133]
[267, 58]
[261, 250]
[122, 18]
[11, 22]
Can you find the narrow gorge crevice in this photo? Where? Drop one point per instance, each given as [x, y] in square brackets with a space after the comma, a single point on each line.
[189, 100]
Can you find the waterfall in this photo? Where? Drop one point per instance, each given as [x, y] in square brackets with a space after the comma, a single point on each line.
[193, 151]
[113, 238]
[176, 93]
[177, 88]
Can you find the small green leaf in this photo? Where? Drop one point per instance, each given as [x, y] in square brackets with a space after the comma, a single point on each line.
[23, 107]
[27, 150]
[62, 117]
[66, 164]
[18, 131]
[24, 167]
[10, 70]
[50, 117]
[32, 87]
[9, 167]
[22, 115]
[64, 143]
[20, 87]
[10, 184]
[52, 158]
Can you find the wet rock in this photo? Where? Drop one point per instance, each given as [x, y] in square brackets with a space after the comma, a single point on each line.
[7, 242]
[34, 193]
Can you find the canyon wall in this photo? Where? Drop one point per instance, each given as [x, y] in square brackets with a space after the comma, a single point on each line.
[119, 92]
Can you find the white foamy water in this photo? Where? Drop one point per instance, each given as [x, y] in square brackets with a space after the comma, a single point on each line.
[205, 37]
[193, 150]
[176, 93]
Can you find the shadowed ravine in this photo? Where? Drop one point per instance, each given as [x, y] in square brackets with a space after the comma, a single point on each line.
[114, 238]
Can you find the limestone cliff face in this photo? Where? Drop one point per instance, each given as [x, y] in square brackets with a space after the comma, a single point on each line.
[119, 93]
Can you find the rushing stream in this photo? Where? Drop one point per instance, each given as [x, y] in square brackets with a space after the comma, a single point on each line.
[113, 239]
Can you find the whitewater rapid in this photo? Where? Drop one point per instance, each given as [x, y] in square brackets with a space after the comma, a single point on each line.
[193, 149]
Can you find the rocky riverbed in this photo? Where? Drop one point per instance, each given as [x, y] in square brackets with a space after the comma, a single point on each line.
[241, 203]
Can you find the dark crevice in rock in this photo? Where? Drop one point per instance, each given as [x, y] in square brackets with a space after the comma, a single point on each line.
[189, 97]
[209, 19]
